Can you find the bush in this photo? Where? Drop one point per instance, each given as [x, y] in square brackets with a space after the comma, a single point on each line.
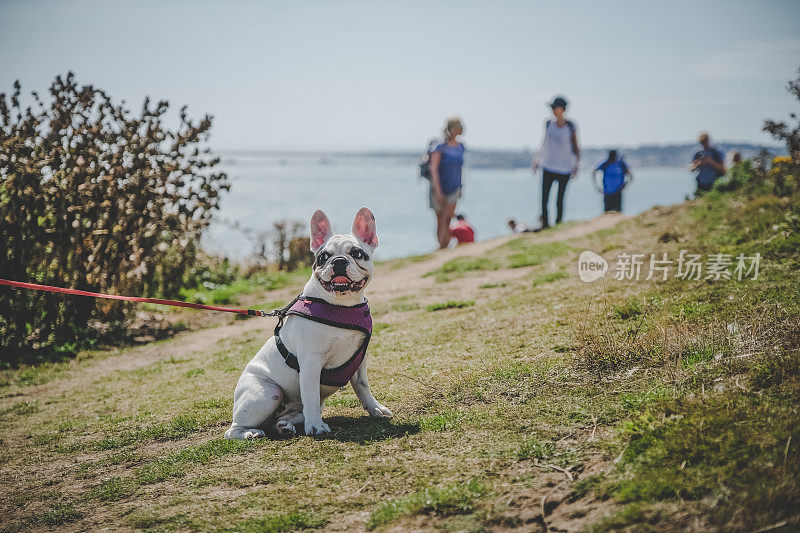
[287, 245]
[95, 198]
[787, 177]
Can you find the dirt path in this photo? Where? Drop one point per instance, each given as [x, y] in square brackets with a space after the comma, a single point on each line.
[389, 283]
[409, 278]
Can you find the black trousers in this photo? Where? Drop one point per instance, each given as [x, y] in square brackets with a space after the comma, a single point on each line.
[547, 182]
[613, 202]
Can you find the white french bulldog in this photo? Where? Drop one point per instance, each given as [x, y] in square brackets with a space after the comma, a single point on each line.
[268, 386]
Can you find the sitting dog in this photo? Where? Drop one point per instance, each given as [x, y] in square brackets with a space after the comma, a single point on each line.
[319, 343]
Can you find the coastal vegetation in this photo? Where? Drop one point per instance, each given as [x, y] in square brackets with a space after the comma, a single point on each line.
[523, 396]
[647, 404]
[98, 198]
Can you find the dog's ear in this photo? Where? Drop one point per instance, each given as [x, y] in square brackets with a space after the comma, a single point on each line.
[321, 230]
[364, 228]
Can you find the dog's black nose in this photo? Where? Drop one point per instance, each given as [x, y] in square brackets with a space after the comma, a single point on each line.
[340, 266]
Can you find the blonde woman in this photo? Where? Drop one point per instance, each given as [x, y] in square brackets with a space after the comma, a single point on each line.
[446, 162]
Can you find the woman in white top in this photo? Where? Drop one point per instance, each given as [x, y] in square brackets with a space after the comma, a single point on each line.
[558, 157]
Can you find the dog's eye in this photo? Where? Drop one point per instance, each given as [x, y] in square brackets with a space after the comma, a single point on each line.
[322, 258]
[358, 253]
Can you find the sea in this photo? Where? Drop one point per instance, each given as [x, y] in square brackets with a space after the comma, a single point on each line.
[270, 187]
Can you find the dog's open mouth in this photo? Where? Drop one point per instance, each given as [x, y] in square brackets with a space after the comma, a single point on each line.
[343, 284]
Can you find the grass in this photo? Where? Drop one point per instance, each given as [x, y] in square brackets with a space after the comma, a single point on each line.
[516, 253]
[460, 266]
[732, 449]
[450, 304]
[525, 253]
[55, 515]
[402, 304]
[681, 396]
[293, 521]
[174, 465]
[440, 501]
[550, 277]
[224, 293]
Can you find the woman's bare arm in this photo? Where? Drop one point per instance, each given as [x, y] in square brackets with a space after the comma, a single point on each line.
[535, 162]
[436, 158]
[576, 148]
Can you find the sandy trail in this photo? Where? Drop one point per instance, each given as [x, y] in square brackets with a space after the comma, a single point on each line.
[409, 278]
[388, 283]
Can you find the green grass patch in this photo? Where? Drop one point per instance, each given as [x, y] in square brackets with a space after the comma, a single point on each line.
[549, 278]
[440, 422]
[145, 519]
[524, 253]
[401, 304]
[279, 523]
[703, 354]
[632, 517]
[21, 409]
[630, 308]
[223, 293]
[447, 501]
[56, 514]
[394, 264]
[735, 449]
[174, 465]
[635, 401]
[451, 304]
[113, 489]
[533, 448]
[495, 285]
[461, 266]
[176, 428]
[381, 326]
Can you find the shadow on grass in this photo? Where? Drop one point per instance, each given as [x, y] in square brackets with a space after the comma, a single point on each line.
[364, 429]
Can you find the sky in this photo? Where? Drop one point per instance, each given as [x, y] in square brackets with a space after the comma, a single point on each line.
[369, 75]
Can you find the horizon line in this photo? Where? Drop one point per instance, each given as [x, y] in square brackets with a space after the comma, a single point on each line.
[401, 151]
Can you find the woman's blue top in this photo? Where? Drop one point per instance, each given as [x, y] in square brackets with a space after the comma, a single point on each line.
[450, 167]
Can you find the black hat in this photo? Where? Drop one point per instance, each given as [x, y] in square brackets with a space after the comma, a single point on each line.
[559, 101]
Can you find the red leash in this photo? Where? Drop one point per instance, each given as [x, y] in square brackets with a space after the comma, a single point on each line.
[48, 288]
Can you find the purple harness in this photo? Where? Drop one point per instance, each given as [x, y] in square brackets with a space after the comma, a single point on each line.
[356, 317]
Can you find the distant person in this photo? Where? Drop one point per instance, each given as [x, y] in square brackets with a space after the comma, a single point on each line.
[462, 231]
[735, 157]
[520, 227]
[558, 158]
[708, 163]
[616, 176]
[446, 162]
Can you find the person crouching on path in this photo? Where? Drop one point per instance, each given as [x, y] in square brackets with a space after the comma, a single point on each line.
[616, 176]
[447, 160]
[462, 231]
[558, 158]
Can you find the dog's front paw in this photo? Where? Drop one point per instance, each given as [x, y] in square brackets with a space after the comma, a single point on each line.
[254, 434]
[380, 411]
[244, 433]
[285, 428]
[317, 428]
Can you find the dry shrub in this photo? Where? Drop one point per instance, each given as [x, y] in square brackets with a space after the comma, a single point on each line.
[285, 246]
[649, 339]
[292, 245]
[96, 198]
